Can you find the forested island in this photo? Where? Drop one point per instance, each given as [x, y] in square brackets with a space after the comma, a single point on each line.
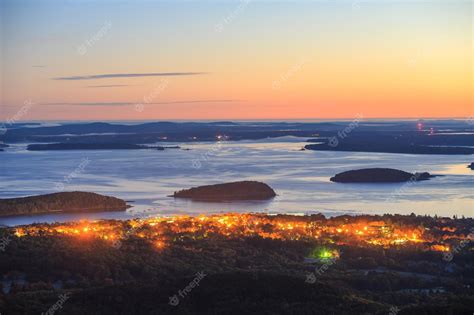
[379, 175]
[243, 190]
[76, 201]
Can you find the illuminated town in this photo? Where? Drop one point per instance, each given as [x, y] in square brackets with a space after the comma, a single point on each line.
[360, 231]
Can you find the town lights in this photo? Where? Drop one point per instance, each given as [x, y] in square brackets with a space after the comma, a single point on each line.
[222, 137]
[159, 231]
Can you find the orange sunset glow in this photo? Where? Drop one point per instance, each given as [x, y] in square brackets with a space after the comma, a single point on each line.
[239, 60]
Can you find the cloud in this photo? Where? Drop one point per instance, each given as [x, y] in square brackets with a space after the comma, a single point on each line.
[130, 103]
[192, 101]
[107, 86]
[91, 104]
[38, 66]
[128, 75]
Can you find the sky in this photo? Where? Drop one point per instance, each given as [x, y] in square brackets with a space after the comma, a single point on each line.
[248, 59]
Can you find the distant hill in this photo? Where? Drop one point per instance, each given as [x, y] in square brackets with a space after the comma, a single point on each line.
[434, 137]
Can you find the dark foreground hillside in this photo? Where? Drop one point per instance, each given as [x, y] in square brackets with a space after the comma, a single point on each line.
[211, 273]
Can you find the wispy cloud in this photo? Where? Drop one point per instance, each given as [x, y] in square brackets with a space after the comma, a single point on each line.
[195, 101]
[131, 103]
[38, 66]
[107, 86]
[128, 75]
[90, 104]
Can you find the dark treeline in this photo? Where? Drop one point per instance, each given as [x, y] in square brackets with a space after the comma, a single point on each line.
[246, 275]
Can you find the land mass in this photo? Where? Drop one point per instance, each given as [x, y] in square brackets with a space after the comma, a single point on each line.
[414, 137]
[378, 175]
[90, 146]
[389, 146]
[471, 166]
[243, 190]
[248, 264]
[61, 202]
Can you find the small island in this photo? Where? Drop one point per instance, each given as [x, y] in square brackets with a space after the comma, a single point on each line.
[243, 190]
[379, 175]
[61, 202]
[471, 166]
[90, 146]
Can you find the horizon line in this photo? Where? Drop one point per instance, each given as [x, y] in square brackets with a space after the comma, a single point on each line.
[241, 119]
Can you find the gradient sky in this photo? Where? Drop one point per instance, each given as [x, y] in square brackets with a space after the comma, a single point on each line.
[95, 60]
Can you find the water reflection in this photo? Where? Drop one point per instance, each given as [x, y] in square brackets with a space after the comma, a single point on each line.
[300, 178]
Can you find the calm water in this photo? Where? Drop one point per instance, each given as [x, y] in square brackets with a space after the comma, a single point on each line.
[300, 178]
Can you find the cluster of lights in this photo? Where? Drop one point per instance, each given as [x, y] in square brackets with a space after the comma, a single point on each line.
[420, 127]
[161, 231]
[222, 137]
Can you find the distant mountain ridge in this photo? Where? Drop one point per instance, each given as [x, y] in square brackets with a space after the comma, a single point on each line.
[366, 136]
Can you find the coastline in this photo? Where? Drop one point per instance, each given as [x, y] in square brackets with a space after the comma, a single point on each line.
[306, 188]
